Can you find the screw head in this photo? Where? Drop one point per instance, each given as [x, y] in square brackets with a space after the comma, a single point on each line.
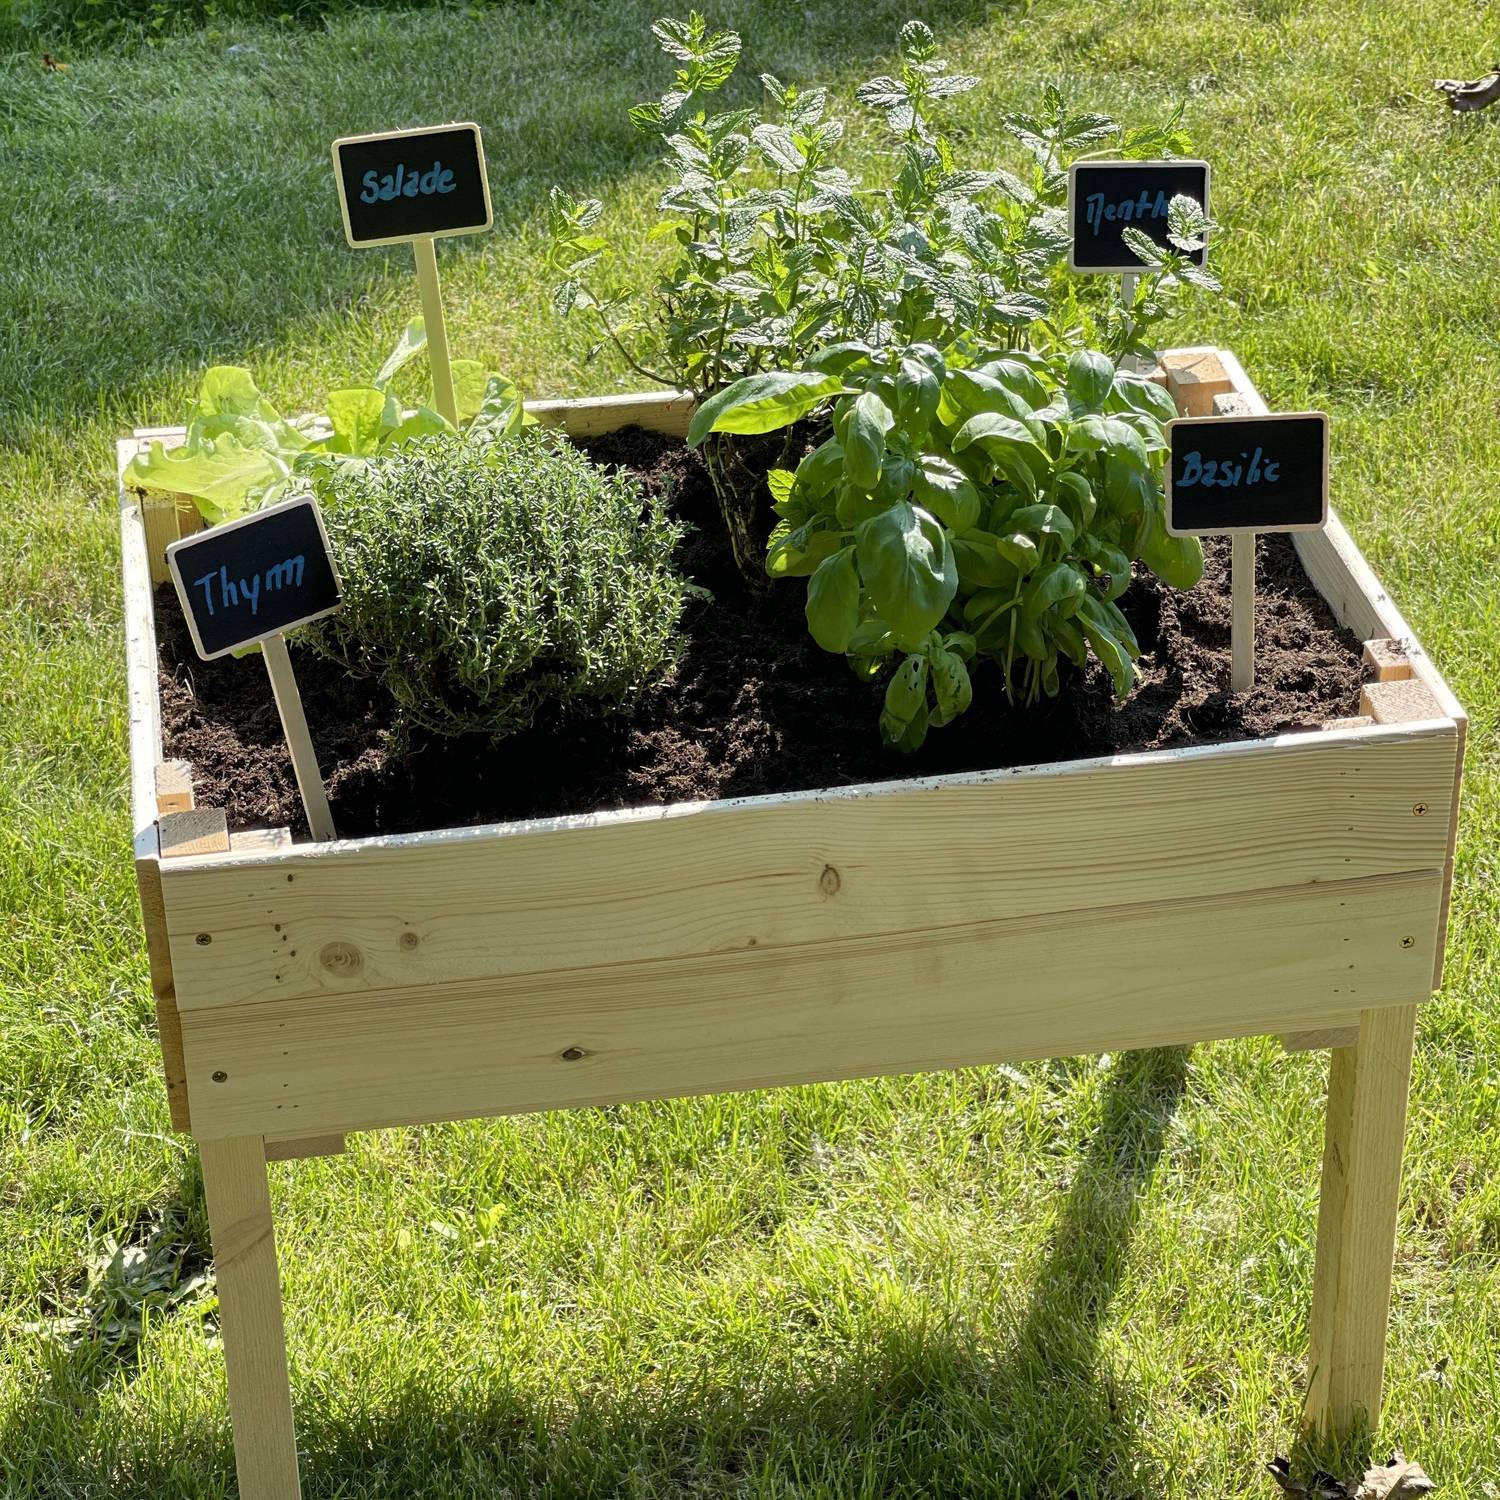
[1408, 942]
[1419, 810]
[221, 1076]
[204, 939]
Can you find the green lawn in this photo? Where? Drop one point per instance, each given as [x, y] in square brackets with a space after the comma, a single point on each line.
[1083, 1279]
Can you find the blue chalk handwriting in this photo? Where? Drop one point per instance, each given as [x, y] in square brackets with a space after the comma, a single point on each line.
[238, 593]
[407, 182]
[1225, 474]
[1125, 210]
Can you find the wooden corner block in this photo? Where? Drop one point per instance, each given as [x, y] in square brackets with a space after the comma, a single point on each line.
[258, 840]
[301, 1147]
[174, 787]
[1231, 404]
[1316, 1041]
[1387, 660]
[1194, 378]
[205, 830]
[1403, 700]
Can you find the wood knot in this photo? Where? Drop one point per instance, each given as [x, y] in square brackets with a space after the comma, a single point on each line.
[341, 958]
[829, 882]
[573, 1054]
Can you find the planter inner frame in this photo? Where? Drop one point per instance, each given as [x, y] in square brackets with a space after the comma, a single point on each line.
[1296, 885]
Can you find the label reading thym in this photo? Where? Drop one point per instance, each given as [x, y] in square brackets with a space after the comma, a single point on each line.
[246, 580]
[1247, 473]
[411, 184]
[1107, 197]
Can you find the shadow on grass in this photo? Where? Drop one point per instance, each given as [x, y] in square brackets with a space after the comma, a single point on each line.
[914, 1410]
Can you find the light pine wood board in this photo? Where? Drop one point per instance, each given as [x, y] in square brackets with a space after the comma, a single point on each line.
[667, 412]
[1143, 975]
[716, 880]
[145, 756]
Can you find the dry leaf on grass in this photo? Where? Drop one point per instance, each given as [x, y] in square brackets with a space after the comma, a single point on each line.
[1321, 1486]
[1396, 1479]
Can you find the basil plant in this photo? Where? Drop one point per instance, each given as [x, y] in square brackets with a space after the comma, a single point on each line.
[965, 507]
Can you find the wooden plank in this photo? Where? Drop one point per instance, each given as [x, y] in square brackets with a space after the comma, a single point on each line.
[667, 412]
[140, 664]
[1319, 1041]
[174, 787]
[1231, 404]
[1387, 660]
[244, 1243]
[718, 879]
[1288, 960]
[260, 840]
[300, 1148]
[1194, 378]
[1366, 1132]
[145, 753]
[1342, 576]
[1399, 700]
[204, 830]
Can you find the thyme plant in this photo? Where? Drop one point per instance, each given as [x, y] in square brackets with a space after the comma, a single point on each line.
[489, 586]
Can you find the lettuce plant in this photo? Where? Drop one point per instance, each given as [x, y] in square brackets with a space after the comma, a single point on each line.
[968, 506]
[240, 453]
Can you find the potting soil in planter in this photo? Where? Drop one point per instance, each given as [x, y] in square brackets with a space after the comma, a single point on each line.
[755, 706]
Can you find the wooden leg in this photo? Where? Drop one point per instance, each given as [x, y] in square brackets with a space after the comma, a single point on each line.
[260, 1395]
[1366, 1130]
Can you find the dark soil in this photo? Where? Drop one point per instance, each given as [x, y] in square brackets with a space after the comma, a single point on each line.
[754, 707]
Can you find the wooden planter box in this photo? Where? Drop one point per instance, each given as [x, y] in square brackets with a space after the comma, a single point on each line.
[1296, 885]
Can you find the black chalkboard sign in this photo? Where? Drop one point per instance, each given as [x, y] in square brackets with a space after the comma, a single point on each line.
[412, 184]
[1247, 473]
[1106, 197]
[246, 580]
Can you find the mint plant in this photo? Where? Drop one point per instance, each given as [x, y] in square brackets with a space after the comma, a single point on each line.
[780, 252]
[968, 506]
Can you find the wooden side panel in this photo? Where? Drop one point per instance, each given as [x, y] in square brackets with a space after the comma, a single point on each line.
[1143, 975]
[668, 412]
[145, 755]
[714, 880]
[1341, 575]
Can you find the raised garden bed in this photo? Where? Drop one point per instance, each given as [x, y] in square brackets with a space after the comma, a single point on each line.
[1294, 884]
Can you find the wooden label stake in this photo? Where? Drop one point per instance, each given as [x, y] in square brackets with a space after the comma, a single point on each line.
[419, 186]
[248, 582]
[1244, 475]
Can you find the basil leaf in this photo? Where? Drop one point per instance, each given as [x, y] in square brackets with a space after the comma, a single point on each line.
[762, 403]
[833, 601]
[908, 568]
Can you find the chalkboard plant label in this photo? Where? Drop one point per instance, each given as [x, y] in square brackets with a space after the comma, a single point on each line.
[1105, 198]
[1255, 473]
[412, 184]
[250, 579]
